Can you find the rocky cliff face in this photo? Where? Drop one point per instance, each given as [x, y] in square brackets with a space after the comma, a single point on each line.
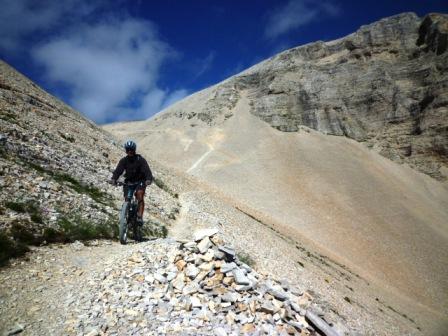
[54, 164]
[384, 85]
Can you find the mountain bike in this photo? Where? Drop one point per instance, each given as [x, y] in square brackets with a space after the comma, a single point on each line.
[128, 214]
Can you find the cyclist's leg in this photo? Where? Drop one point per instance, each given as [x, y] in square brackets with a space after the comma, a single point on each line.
[140, 196]
[125, 193]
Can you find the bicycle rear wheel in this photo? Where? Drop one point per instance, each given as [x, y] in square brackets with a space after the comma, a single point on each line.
[123, 229]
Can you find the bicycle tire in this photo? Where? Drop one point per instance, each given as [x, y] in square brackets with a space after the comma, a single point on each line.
[123, 229]
[137, 232]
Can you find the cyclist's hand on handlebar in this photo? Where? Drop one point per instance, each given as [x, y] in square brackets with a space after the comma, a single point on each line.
[113, 182]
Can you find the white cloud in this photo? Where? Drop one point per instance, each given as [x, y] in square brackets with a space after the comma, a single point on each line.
[108, 64]
[297, 13]
[21, 18]
[157, 100]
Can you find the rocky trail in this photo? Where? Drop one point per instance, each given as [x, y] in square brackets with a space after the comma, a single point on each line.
[193, 283]
[158, 287]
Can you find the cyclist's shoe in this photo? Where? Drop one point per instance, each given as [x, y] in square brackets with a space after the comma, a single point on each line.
[139, 221]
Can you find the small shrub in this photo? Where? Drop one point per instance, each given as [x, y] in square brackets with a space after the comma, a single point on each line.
[77, 228]
[8, 117]
[162, 185]
[28, 207]
[246, 258]
[36, 167]
[21, 233]
[154, 228]
[16, 206]
[67, 137]
[34, 212]
[10, 249]
[3, 153]
[37, 218]
[51, 235]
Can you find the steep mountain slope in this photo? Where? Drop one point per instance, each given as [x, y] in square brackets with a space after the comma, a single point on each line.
[251, 139]
[54, 164]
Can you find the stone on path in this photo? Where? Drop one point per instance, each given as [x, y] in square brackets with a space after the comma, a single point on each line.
[227, 267]
[16, 330]
[240, 278]
[321, 324]
[229, 252]
[220, 331]
[201, 234]
[204, 245]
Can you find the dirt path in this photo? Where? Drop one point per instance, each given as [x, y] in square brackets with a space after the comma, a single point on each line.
[38, 294]
[189, 219]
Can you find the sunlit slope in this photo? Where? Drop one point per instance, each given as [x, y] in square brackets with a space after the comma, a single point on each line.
[385, 220]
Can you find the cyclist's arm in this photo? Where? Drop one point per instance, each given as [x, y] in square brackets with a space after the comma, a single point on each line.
[119, 170]
[147, 171]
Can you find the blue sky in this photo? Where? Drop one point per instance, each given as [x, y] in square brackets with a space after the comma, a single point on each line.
[126, 60]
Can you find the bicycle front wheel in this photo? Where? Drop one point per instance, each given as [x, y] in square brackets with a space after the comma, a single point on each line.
[123, 230]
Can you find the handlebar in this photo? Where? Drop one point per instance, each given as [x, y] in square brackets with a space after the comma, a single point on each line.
[129, 184]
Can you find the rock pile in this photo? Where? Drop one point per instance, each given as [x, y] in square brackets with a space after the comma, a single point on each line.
[195, 287]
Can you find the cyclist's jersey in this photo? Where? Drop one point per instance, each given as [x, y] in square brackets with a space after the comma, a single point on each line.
[136, 169]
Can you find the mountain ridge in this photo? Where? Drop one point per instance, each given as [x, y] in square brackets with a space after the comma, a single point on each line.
[360, 205]
[403, 99]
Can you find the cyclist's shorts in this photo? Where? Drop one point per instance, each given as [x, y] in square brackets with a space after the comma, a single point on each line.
[141, 186]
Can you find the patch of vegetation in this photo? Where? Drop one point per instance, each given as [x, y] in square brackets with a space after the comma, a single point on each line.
[10, 248]
[162, 185]
[80, 187]
[246, 258]
[67, 137]
[155, 228]
[94, 192]
[36, 167]
[16, 206]
[9, 117]
[3, 153]
[29, 207]
[51, 235]
[22, 233]
[78, 228]
[34, 212]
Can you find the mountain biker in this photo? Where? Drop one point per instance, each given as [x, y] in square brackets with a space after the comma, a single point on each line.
[137, 170]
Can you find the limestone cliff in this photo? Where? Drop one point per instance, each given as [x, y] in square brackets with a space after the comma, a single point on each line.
[384, 85]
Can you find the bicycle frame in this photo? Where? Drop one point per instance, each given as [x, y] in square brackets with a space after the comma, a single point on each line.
[128, 217]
